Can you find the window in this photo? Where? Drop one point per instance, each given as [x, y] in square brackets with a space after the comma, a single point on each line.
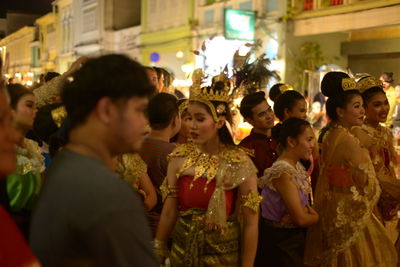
[89, 20]
[209, 16]
[308, 4]
[271, 5]
[246, 5]
[335, 2]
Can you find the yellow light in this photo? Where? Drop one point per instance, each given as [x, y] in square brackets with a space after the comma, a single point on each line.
[179, 54]
[17, 75]
[29, 83]
[30, 74]
[187, 68]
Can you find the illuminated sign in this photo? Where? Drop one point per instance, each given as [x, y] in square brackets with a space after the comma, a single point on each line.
[239, 24]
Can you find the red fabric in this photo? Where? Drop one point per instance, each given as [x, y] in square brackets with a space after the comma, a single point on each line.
[387, 157]
[339, 175]
[14, 252]
[196, 198]
[264, 148]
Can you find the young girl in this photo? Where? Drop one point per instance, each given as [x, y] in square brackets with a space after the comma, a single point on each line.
[285, 191]
[292, 104]
[348, 233]
[23, 185]
[210, 187]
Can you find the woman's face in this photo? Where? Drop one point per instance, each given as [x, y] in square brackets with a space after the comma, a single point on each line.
[25, 112]
[353, 113]
[299, 110]
[202, 127]
[377, 108]
[305, 143]
[184, 131]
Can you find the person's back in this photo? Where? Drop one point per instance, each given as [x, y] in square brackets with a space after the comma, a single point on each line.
[86, 213]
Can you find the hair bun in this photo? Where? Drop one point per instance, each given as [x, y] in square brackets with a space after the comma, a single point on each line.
[331, 84]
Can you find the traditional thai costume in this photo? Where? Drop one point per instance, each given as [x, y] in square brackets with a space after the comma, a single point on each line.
[348, 233]
[207, 231]
[24, 184]
[130, 167]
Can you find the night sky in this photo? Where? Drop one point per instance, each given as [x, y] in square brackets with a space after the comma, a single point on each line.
[32, 6]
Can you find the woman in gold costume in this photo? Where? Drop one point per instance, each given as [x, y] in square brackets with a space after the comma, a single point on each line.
[348, 233]
[133, 170]
[379, 142]
[211, 193]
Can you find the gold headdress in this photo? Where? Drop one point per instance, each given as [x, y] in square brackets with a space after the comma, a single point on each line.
[183, 106]
[368, 82]
[285, 87]
[349, 84]
[207, 94]
[58, 115]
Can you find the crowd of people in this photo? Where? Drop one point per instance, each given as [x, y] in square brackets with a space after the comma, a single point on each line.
[124, 172]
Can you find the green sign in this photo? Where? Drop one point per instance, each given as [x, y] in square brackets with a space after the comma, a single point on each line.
[240, 24]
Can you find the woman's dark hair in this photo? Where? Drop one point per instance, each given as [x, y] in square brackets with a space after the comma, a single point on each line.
[275, 91]
[223, 133]
[331, 86]
[162, 109]
[167, 77]
[292, 127]
[387, 77]
[249, 102]
[159, 72]
[16, 91]
[287, 100]
[44, 125]
[370, 92]
[51, 75]
[129, 79]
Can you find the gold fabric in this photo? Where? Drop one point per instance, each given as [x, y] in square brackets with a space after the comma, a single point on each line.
[48, 91]
[230, 167]
[252, 201]
[195, 245]
[168, 190]
[382, 141]
[347, 234]
[130, 167]
[29, 158]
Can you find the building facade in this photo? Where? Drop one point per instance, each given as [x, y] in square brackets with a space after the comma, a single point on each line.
[16, 50]
[166, 36]
[363, 36]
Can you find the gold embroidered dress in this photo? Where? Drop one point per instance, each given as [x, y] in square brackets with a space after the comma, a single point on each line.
[384, 159]
[130, 167]
[348, 234]
[207, 231]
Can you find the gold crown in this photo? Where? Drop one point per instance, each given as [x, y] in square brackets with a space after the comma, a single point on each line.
[285, 87]
[207, 94]
[349, 84]
[58, 115]
[368, 82]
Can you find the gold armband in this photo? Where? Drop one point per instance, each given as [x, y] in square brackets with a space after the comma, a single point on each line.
[160, 250]
[252, 201]
[168, 190]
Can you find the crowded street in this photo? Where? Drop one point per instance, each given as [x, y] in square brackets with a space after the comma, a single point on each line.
[199, 133]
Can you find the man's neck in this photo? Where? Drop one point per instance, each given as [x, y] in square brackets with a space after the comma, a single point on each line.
[93, 147]
[161, 134]
[266, 132]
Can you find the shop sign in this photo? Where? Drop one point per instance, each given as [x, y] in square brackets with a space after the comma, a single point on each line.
[239, 24]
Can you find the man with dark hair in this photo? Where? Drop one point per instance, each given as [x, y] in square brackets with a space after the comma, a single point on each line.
[165, 123]
[259, 145]
[50, 76]
[86, 213]
[152, 74]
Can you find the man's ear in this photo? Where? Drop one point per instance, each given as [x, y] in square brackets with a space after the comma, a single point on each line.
[220, 123]
[105, 109]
